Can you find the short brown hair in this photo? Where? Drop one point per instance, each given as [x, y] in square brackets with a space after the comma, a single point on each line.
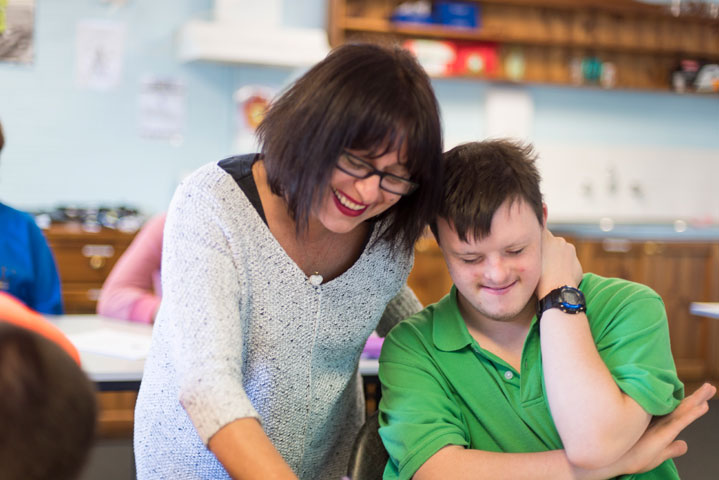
[363, 97]
[479, 177]
[47, 408]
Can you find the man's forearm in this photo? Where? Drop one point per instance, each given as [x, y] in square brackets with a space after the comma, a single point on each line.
[464, 464]
[656, 445]
[597, 422]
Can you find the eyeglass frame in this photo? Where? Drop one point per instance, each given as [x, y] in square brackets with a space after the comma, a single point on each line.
[413, 186]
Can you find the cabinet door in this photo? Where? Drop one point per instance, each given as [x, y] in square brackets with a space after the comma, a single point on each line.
[680, 273]
[611, 258]
[429, 278]
[84, 260]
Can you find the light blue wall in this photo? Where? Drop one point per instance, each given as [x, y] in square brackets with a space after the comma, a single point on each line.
[74, 146]
[576, 116]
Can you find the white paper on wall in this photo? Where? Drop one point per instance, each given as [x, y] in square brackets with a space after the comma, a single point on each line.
[509, 112]
[267, 13]
[17, 26]
[100, 47]
[162, 109]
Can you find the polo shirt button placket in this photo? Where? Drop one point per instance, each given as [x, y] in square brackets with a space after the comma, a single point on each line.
[508, 375]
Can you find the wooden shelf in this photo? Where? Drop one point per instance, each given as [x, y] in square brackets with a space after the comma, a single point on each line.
[644, 42]
[417, 30]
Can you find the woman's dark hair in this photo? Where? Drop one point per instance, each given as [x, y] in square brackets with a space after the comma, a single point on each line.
[47, 408]
[363, 97]
[479, 177]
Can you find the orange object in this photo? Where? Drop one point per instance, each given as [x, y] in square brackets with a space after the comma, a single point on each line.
[14, 311]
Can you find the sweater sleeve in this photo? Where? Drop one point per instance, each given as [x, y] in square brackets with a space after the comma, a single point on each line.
[128, 292]
[202, 293]
[403, 305]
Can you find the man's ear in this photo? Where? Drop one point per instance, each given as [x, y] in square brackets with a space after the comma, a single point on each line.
[544, 215]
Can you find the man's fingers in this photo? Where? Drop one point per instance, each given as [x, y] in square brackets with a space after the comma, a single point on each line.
[676, 449]
[703, 393]
[691, 408]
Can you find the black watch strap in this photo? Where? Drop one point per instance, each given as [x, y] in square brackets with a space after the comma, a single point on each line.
[567, 299]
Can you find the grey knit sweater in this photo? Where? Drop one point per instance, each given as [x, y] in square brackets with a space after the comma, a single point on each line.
[242, 333]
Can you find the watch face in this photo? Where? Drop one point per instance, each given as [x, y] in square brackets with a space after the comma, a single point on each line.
[567, 299]
[571, 298]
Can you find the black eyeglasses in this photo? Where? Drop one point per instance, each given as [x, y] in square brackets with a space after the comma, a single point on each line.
[356, 167]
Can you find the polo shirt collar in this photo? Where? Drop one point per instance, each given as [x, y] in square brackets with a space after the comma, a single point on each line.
[449, 332]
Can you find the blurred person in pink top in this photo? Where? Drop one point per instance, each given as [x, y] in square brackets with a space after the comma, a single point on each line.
[132, 291]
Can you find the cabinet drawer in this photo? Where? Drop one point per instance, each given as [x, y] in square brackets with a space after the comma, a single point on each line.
[80, 297]
[429, 278]
[84, 261]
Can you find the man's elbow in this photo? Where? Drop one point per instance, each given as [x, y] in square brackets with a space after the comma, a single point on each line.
[593, 454]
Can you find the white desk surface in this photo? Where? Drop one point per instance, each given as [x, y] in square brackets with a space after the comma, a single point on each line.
[105, 369]
[705, 309]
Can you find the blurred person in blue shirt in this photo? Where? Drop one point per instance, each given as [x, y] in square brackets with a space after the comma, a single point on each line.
[27, 266]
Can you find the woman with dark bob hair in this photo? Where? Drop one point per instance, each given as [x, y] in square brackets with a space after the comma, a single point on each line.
[276, 268]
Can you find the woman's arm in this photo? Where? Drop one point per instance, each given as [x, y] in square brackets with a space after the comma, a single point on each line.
[247, 453]
[129, 291]
[403, 305]
[205, 301]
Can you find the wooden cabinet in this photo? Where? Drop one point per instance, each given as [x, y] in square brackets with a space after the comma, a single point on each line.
[84, 259]
[681, 273]
[429, 277]
[642, 42]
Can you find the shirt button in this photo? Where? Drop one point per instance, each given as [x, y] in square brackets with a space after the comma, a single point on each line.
[508, 375]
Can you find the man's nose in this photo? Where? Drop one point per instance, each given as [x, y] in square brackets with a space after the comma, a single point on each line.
[496, 271]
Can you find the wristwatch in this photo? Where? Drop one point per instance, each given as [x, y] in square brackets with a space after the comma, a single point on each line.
[567, 299]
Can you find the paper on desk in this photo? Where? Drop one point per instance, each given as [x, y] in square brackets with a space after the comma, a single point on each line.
[109, 342]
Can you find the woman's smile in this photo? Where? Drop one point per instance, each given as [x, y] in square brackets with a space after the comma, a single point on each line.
[348, 206]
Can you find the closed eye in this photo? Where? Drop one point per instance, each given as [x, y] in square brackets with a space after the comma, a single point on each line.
[357, 163]
[396, 180]
[515, 251]
[471, 260]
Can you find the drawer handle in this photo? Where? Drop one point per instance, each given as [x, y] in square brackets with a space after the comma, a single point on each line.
[97, 262]
[616, 245]
[90, 251]
[653, 248]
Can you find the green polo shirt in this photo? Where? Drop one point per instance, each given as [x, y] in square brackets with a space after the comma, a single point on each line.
[440, 387]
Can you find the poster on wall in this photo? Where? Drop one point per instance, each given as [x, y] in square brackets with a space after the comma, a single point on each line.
[509, 113]
[100, 45]
[251, 102]
[162, 109]
[17, 24]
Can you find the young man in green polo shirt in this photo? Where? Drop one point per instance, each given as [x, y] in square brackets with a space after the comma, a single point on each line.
[527, 368]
